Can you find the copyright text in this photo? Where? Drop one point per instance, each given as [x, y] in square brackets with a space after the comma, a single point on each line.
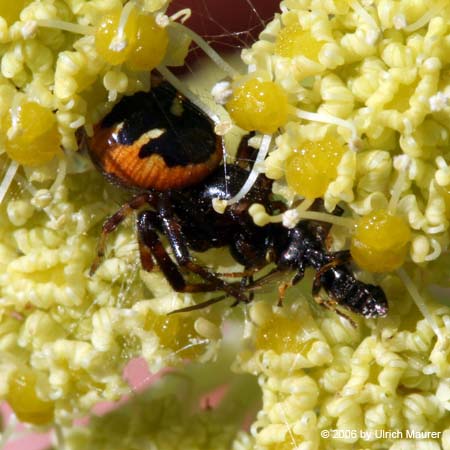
[370, 435]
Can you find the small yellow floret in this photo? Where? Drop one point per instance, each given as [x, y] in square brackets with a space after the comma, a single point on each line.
[33, 136]
[151, 44]
[280, 334]
[24, 401]
[294, 41]
[176, 332]
[312, 166]
[112, 44]
[259, 105]
[380, 242]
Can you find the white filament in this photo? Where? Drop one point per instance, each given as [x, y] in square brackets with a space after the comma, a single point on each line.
[262, 153]
[8, 179]
[215, 57]
[66, 26]
[419, 301]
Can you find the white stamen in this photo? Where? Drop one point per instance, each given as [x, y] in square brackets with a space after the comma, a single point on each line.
[216, 58]
[66, 26]
[419, 301]
[222, 128]
[432, 12]
[182, 14]
[8, 179]
[326, 118]
[120, 40]
[262, 153]
[290, 218]
[162, 20]
[305, 205]
[260, 216]
[222, 92]
[346, 222]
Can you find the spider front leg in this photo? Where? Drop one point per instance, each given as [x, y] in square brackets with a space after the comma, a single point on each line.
[114, 221]
[148, 223]
[173, 232]
[333, 305]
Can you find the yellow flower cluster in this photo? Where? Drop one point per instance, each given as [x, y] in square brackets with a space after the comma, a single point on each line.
[76, 333]
[49, 56]
[373, 75]
[318, 372]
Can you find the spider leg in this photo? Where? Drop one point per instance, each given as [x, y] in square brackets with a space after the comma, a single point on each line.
[282, 288]
[245, 283]
[145, 254]
[254, 285]
[285, 285]
[173, 232]
[246, 273]
[150, 246]
[114, 221]
[332, 305]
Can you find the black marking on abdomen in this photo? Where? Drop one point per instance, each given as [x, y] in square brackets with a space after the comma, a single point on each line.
[189, 137]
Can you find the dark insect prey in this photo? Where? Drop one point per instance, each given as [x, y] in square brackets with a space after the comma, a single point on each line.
[163, 148]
